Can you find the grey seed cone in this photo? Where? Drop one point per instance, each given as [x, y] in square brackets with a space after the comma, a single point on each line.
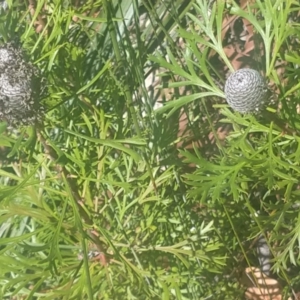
[246, 91]
[20, 88]
[264, 255]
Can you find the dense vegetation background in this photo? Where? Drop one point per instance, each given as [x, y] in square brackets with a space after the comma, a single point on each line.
[129, 189]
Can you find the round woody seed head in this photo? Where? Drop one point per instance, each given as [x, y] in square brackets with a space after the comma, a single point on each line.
[20, 88]
[246, 91]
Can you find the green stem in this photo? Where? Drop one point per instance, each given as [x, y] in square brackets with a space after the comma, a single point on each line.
[113, 36]
[127, 93]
